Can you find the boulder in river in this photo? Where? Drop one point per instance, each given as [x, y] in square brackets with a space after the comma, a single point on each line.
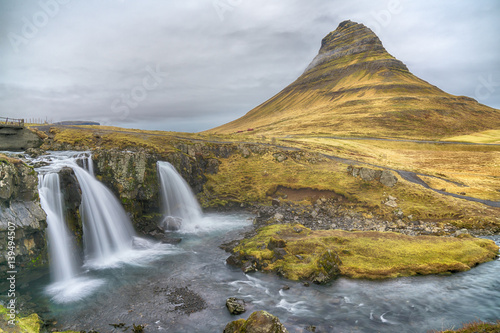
[235, 306]
[170, 223]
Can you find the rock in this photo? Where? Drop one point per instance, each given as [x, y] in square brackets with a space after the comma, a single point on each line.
[34, 152]
[235, 306]
[235, 326]
[461, 232]
[258, 322]
[391, 202]
[16, 139]
[20, 209]
[276, 243]
[278, 217]
[387, 178]
[280, 157]
[369, 174]
[212, 166]
[275, 202]
[311, 328]
[328, 264]
[248, 267]
[279, 253]
[170, 223]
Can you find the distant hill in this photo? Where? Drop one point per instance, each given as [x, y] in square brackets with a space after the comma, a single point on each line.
[355, 87]
[77, 122]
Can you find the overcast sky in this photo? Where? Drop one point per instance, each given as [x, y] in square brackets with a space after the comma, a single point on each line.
[192, 65]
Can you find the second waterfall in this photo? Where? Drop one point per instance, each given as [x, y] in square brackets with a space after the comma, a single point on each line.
[180, 208]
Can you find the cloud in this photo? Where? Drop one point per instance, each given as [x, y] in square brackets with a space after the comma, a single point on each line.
[88, 54]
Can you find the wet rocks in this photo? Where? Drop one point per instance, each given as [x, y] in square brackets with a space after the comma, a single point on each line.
[258, 322]
[21, 214]
[235, 306]
[170, 223]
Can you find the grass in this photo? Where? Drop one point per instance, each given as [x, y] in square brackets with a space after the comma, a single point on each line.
[371, 255]
[255, 178]
[476, 167]
[492, 136]
[476, 327]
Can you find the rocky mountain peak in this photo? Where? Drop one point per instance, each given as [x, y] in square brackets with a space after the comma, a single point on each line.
[352, 43]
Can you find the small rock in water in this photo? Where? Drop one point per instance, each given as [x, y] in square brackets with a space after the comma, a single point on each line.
[170, 223]
[235, 306]
[140, 243]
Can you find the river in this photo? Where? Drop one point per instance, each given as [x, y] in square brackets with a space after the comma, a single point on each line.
[135, 293]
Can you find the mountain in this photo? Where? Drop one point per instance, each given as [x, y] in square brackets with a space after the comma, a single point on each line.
[355, 87]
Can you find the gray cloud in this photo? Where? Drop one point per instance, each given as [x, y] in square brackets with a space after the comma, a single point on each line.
[87, 59]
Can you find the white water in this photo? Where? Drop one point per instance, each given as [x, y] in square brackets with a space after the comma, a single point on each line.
[178, 199]
[63, 264]
[107, 230]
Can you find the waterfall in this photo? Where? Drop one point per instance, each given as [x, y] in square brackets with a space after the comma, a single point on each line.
[107, 230]
[108, 236]
[63, 264]
[178, 201]
[90, 165]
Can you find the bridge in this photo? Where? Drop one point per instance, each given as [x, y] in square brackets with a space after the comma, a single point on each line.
[11, 122]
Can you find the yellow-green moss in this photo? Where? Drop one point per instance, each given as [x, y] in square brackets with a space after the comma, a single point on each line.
[27, 324]
[370, 254]
[476, 327]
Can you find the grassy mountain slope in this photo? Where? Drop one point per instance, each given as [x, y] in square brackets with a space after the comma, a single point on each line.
[355, 87]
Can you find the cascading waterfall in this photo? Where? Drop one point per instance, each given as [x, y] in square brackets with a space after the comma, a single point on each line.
[63, 264]
[178, 201]
[107, 230]
[108, 236]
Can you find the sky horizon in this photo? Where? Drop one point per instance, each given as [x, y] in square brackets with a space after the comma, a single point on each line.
[193, 65]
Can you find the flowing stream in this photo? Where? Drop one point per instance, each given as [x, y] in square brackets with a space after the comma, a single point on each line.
[150, 284]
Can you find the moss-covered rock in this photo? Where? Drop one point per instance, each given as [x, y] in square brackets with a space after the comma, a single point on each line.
[321, 255]
[258, 322]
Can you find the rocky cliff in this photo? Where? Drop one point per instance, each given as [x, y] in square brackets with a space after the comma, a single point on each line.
[20, 212]
[15, 138]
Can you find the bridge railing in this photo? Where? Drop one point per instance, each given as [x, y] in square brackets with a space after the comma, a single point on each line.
[12, 122]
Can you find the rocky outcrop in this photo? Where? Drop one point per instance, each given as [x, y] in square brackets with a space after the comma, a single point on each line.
[385, 177]
[72, 196]
[22, 220]
[333, 213]
[258, 322]
[15, 138]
